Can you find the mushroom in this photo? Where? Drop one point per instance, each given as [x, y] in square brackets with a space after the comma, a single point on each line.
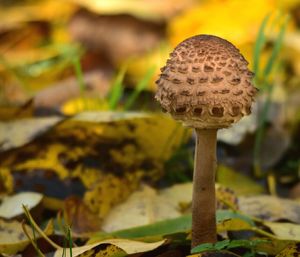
[206, 85]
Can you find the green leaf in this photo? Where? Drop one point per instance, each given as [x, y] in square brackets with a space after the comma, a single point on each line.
[167, 227]
[171, 226]
[228, 244]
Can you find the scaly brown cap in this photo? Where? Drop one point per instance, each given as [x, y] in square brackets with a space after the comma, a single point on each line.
[206, 83]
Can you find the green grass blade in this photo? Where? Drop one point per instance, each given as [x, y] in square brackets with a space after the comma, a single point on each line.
[69, 235]
[259, 44]
[117, 89]
[78, 72]
[260, 133]
[276, 49]
[140, 87]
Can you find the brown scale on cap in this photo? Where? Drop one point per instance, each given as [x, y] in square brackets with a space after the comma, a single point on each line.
[206, 83]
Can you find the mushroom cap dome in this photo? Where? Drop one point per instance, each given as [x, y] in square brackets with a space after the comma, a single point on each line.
[206, 83]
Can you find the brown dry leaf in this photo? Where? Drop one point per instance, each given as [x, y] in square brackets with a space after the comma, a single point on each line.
[14, 112]
[130, 37]
[54, 96]
[126, 246]
[270, 208]
[12, 237]
[81, 219]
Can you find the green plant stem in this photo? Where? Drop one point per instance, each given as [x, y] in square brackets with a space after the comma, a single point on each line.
[37, 228]
[260, 134]
[33, 242]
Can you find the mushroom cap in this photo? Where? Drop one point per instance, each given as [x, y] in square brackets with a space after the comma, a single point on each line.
[206, 83]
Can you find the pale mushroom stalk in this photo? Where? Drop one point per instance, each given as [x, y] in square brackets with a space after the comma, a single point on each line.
[207, 85]
[204, 196]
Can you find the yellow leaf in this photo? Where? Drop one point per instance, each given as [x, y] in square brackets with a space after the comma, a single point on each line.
[291, 250]
[139, 65]
[241, 184]
[6, 181]
[216, 17]
[284, 231]
[240, 30]
[273, 246]
[123, 147]
[226, 198]
[77, 105]
[234, 224]
[45, 10]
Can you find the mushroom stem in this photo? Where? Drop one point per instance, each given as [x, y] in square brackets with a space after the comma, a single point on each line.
[204, 198]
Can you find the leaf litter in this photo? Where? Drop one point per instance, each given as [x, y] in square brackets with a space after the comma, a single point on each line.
[99, 170]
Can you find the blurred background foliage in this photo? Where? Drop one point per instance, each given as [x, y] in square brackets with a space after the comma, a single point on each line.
[67, 57]
[77, 80]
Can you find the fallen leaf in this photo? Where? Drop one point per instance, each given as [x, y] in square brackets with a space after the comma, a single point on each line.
[284, 230]
[141, 208]
[270, 208]
[176, 226]
[81, 104]
[274, 246]
[291, 250]
[232, 221]
[59, 94]
[11, 206]
[82, 221]
[6, 182]
[19, 132]
[238, 182]
[241, 31]
[13, 238]
[127, 246]
[148, 206]
[213, 254]
[104, 154]
[236, 133]
[132, 36]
